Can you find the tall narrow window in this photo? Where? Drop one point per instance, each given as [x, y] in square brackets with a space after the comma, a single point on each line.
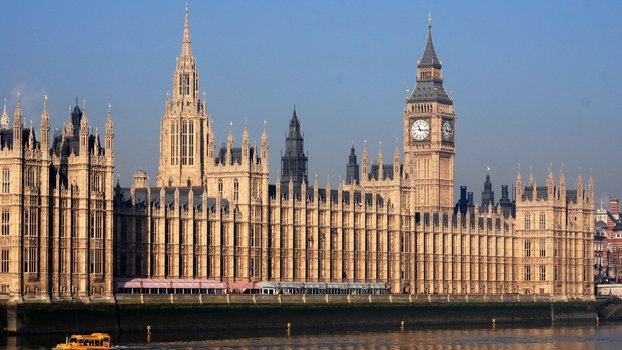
[542, 273]
[190, 143]
[5, 222]
[184, 143]
[542, 220]
[30, 259]
[236, 189]
[527, 248]
[6, 180]
[542, 247]
[4, 264]
[30, 178]
[527, 273]
[96, 260]
[138, 268]
[527, 221]
[187, 84]
[220, 188]
[174, 143]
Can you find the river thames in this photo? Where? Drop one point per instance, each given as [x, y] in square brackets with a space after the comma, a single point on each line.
[607, 336]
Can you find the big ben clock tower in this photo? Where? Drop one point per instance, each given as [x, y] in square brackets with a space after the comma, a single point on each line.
[429, 136]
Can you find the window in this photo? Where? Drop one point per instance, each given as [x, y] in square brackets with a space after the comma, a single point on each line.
[30, 222]
[254, 235]
[236, 189]
[184, 143]
[30, 259]
[527, 248]
[6, 180]
[74, 261]
[527, 273]
[30, 177]
[97, 225]
[4, 261]
[542, 273]
[96, 260]
[542, 220]
[251, 266]
[186, 84]
[122, 264]
[220, 188]
[174, 143]
[527, 221]
[5, 222]
[190, 152]
[542, 248]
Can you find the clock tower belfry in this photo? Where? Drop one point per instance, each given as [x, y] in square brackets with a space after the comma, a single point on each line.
[429, 136]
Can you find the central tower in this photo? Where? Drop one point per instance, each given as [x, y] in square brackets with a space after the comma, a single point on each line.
[429, 136]
[184, 128]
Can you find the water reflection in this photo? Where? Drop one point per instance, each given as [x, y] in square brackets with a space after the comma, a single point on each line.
[567, 338]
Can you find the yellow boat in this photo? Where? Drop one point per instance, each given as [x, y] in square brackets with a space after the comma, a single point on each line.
[95, 341]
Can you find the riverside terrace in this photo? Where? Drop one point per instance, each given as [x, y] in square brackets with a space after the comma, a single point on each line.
[159, 286]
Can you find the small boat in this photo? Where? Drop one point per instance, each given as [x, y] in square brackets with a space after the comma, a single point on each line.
[95, 341]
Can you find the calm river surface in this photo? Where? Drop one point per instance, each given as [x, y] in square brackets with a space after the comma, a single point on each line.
[568, 338]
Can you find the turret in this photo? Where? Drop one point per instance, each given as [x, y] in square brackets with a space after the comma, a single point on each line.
[550, 184]
[4, 120]
[380, 162]
[365, 162]
[580, 190]
[84, 133]
[31, 137]
[562, 186]
[396, 162]
[45, 129]
[264, 147]
[18, 125]
[352, 169]
[229, 144]
[245, 146]
[109, 136]
[590, 190]
[519, 185]
[96, 147]
[532, 184]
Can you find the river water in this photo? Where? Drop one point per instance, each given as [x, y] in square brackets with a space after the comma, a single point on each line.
[608, 336]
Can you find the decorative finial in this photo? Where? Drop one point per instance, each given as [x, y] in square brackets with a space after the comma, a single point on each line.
[109, 107]
[429, 20]
[488, 168]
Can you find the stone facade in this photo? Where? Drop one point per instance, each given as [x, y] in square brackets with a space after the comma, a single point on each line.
[57, 210]
[212, 213]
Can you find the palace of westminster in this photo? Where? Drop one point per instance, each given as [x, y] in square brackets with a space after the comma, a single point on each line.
[67, 230]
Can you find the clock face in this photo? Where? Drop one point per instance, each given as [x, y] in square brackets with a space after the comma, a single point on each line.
[448, 131]
[420, 129]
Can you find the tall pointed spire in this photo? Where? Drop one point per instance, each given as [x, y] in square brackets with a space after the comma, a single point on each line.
[4, 121]
[186, 47]
[45, 125]
[429, 58]
[17, 115]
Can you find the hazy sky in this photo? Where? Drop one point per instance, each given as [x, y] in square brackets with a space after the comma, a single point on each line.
[534, 83]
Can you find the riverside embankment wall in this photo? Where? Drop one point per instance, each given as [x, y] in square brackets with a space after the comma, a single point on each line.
[133, 313]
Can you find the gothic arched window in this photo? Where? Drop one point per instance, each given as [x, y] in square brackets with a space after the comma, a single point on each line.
[236, 189]
[527, 221]
[542, 220]
[6, 180]
[184, 143]
[190, 151]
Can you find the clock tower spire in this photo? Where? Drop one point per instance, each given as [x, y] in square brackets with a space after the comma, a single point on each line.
[429, 139]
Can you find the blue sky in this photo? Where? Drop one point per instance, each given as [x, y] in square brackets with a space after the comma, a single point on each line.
[534, 83]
